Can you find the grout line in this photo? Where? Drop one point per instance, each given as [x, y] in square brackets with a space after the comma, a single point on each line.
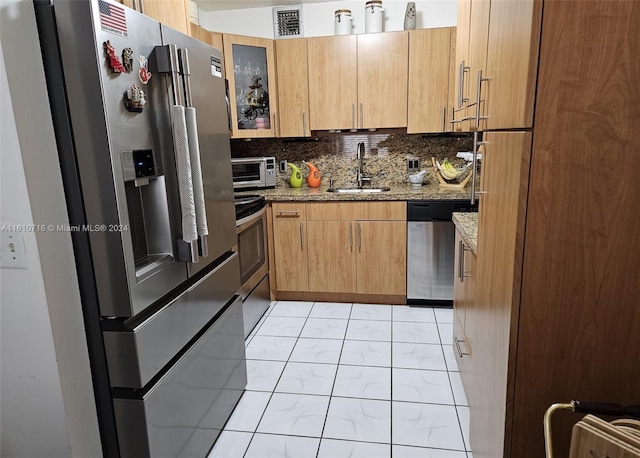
[326, 416]
[331, 396]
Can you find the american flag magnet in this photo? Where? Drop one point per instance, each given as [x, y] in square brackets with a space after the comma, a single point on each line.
[112, 18]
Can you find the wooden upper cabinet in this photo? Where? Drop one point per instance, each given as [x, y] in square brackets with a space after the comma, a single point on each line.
[249, 64]
[211, 38]
[512, 58]
[478, 42]
[383, 68]
[333, 83]
[174, 13]
[461, 79]
[501, 40]
[358, 81]
[430, 62]
[293, 81]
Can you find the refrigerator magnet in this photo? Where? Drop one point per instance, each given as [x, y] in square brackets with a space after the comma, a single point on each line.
[144, 74]
[127, 59]
[114, 61]
[135, 99]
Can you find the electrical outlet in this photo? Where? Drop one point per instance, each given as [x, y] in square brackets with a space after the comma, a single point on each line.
[413, 165]
[12, 252]
[282, 167]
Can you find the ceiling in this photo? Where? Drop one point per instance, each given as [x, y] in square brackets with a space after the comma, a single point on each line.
[218, 5]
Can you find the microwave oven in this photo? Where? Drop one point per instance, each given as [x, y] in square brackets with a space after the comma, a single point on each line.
[254, 172]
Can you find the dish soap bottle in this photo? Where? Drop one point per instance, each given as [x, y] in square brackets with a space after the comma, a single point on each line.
[296, 176]
[313, 180]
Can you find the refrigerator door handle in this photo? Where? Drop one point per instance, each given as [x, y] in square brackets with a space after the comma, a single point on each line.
[194, 153]
[167, 61]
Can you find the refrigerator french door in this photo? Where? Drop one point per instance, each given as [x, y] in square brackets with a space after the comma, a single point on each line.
[141, 128]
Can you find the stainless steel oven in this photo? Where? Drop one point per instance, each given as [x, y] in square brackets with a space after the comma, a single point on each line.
[251, 225]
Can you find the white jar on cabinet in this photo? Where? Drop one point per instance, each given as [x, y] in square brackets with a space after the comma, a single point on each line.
[343, 22]
[373, 16]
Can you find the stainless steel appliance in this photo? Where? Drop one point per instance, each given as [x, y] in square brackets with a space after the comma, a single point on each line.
[430, 250]
[141, 127]
[254, 172]
[254, 267]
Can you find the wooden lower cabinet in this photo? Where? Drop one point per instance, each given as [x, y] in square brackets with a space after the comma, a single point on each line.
[381, 257]
[463, 298]
[332, 259]
[289, 242]
[353, 248]
[463, 292]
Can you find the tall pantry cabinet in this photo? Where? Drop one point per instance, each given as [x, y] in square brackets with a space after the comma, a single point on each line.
[556, 314]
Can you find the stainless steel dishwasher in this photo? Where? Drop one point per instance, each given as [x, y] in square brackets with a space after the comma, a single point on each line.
[430, 250]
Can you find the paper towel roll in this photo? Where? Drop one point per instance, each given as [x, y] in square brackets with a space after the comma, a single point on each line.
[196, 171]
[183, 168]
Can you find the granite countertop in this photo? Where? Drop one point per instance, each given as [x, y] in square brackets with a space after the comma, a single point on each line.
[398, 192]
[467, 224]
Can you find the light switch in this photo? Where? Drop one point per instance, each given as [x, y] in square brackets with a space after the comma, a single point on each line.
[12, 252]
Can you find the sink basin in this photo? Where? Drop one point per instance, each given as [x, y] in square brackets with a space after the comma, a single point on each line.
[357, 190]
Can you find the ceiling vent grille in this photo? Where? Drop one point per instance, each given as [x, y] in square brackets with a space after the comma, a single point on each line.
[287, 21]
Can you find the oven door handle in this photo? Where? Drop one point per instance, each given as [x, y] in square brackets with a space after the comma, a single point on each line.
[248, 200]
[250, 219]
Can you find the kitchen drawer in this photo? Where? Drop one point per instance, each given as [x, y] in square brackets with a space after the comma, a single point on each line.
[289, 211]
[135, 356]
[183, 413]
[357, 211]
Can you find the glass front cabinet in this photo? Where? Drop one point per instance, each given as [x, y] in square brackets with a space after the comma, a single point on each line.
[250, 69]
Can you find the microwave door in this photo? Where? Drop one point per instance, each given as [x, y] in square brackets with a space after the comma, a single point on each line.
[248, 174]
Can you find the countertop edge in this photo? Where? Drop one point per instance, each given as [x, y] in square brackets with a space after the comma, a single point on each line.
[396, 193]
[467, 225]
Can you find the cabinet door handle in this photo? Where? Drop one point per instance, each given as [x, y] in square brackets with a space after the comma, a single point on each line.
[141, 10]
[359, 237]
[288, 213]
[460, 352]
[351, 236]
[444, 118]
[476, 145]
[353, 116]
[361, 117]
[304, 124]
[462, 69]
[275, 125]
[301, 237]
[461, 260]
[478, 100]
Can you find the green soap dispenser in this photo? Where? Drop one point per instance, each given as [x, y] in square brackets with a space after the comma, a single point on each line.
[296, 176]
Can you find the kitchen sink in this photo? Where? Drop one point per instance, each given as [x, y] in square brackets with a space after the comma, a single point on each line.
[357, 190]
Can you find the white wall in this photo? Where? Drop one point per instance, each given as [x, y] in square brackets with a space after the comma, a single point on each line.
[47, 406]
[318, 18]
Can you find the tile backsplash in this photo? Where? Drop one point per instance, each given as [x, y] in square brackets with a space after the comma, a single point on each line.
[335, 155]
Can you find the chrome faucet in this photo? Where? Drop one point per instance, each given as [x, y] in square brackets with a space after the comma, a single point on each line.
[360, 177]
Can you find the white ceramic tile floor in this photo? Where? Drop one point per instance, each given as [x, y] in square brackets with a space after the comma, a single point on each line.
[333, 380]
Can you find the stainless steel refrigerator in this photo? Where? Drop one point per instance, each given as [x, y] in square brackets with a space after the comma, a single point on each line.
[141, 123]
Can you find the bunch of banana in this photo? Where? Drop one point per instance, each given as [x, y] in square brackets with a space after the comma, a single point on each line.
[447, 170]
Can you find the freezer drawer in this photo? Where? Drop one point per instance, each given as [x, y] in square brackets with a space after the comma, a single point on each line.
[135, 356]
[184, 412]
